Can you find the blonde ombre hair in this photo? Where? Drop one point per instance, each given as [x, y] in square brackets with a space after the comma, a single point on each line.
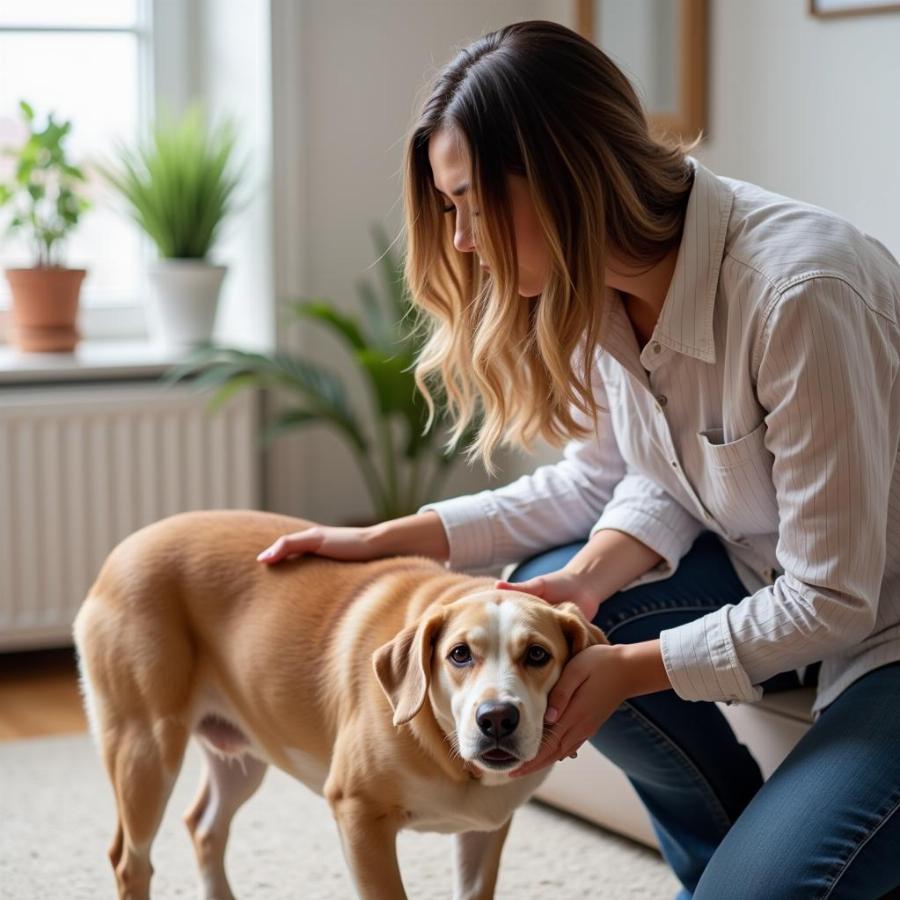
[538, 100]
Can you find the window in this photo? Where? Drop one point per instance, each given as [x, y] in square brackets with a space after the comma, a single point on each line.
[90, 63]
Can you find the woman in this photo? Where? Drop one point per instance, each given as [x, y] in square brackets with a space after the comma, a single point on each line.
[722, 361]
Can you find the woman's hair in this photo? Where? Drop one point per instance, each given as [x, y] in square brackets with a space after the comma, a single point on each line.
[538, 100]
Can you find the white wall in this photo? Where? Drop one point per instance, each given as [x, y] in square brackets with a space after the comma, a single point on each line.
[345, 77]
[807, 107]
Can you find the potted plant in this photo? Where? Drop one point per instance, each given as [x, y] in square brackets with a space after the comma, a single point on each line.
[179, 186]
[45, 205]
[384, 350]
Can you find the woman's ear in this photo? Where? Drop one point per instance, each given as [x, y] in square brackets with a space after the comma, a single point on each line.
[579, 633]
[403, 666]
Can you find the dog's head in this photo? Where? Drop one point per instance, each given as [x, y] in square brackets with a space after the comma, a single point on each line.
[486, 663]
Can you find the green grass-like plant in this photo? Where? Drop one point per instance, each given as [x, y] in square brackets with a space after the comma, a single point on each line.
[179, 183]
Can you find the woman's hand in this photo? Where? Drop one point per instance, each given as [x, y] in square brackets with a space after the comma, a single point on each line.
[557, 587]
[590, 689]
[338, 542]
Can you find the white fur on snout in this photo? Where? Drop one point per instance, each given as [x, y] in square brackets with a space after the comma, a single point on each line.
[499, 680]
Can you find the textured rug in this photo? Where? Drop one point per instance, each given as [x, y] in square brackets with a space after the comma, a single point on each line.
[57, 820]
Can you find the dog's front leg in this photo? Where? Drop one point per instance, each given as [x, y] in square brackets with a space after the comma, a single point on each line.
[476, 861]
[369, 841]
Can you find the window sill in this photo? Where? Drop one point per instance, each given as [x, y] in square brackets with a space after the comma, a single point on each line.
[92, 360]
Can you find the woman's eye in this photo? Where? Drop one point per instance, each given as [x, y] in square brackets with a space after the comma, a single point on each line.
[449, 209]
[460, 654]
[536, 655]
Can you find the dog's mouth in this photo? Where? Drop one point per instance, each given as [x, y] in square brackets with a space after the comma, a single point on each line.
[498, 758]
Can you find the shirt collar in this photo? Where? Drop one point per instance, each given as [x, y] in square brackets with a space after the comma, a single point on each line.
[686, 320]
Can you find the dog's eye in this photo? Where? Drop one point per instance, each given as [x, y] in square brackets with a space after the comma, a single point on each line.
[536, 655]
[460, 655]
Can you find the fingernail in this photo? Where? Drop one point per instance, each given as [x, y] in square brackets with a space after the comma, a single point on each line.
[266, 554]
[550, 715]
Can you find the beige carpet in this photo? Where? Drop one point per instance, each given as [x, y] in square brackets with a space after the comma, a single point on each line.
[57, 819]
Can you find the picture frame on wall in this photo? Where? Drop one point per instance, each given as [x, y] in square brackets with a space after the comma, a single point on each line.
[827, 9]
[662, 47]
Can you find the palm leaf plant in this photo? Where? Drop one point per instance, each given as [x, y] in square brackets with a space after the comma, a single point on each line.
[383, 343]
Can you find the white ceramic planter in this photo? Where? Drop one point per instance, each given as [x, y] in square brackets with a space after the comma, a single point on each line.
[184, 300]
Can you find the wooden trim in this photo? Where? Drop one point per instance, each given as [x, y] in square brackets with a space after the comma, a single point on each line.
[584, 18]
[851, 11]
[690, 117]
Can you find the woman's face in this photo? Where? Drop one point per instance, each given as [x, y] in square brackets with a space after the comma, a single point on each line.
[451, 173]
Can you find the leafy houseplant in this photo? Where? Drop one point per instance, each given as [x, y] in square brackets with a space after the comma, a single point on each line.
[384, 350]
[179, 186]
[45, 203]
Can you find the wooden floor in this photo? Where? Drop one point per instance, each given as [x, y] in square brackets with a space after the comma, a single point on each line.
[39, 694]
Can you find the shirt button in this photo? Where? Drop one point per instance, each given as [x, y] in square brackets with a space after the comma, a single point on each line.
[661, 399]
[675, 463]
[655, 346]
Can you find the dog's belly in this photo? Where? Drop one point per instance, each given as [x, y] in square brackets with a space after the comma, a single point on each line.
[222, 735]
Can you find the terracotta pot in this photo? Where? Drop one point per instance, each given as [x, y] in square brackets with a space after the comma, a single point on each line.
[45, 308]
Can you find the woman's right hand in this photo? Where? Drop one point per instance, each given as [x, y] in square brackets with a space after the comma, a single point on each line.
[338, 542]
[558, 587]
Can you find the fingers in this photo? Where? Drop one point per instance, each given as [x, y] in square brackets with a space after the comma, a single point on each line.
[290, 544]
[551, 753]
[531, 586]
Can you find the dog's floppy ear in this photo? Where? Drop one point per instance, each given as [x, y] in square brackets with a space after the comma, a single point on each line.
[403, 666]
[578, 631]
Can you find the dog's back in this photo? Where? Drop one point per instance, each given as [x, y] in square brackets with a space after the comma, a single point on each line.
[181, 616]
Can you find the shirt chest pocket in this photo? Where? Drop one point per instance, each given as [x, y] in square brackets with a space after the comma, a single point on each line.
[734, 481]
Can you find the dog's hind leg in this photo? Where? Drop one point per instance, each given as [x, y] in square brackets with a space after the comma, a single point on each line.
[141, 740]
[227, 783]
[476, 862]
[143, 759]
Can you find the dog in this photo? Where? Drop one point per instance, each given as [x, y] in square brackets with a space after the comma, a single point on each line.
[401, 692]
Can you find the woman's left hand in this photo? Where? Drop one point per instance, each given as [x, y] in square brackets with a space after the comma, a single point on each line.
[590, 688]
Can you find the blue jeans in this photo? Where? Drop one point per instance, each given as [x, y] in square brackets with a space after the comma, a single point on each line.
[826, 824]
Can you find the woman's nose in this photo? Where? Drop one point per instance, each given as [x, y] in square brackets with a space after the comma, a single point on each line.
[462, 239]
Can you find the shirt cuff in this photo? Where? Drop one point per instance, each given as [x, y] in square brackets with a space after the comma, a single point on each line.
[701, 661]
[670, 539]
[466, 521]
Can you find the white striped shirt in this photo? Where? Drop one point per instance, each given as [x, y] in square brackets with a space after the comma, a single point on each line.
[764, 407]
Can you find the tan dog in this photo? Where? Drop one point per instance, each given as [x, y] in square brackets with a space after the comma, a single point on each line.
[400, 691]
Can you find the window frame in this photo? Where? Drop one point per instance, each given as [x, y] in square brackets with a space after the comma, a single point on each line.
[165, 78]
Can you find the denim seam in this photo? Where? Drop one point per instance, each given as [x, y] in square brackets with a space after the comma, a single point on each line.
[859, 848]
[716, 807]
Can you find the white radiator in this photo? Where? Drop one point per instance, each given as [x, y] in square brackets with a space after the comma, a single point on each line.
[82, 466]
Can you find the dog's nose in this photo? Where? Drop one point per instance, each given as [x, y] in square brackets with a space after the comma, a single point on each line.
[497, 719]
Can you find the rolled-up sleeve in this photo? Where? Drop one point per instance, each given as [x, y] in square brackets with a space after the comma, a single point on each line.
[644, 510]
[827, 372]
